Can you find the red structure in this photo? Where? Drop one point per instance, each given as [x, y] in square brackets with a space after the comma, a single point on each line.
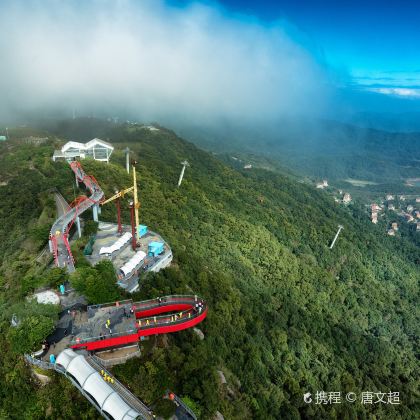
[117, 203]
[133, 227]
[158, 316]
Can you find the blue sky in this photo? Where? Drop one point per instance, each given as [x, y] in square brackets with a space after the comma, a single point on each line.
[375, 45]
[366, 37]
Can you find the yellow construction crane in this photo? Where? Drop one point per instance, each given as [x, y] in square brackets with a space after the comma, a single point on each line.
[121, 194]
[136, 202]
[118, 194]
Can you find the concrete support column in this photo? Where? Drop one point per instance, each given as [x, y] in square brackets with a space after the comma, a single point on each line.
[79, 230]
[95, 213]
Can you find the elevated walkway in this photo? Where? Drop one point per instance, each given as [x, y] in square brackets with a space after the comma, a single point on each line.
[112, 399]
[59, 234]
[129, 321]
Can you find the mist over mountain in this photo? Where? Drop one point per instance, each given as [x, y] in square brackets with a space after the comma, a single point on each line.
[151, 61]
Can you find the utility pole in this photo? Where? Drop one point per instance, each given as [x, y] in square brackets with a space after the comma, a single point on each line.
[181, 176]
[336, 236]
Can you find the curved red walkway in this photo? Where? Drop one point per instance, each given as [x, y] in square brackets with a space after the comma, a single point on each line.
[156, 316]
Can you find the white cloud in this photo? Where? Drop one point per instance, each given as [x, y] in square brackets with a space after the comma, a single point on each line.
[153, 59]
[397, 91]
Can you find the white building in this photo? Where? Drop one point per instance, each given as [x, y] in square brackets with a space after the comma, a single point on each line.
[346, 198]
[96, 149]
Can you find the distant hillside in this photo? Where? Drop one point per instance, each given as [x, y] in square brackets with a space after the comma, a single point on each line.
[287, 314]
[320, 149]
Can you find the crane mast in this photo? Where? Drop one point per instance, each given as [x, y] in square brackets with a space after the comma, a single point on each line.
[136, 202]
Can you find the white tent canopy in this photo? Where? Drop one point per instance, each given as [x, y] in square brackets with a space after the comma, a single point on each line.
[133, 262]
[116, 245]
[107, 399]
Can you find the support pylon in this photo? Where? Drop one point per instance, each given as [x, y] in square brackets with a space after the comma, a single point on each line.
[117, 203]
[133, 227]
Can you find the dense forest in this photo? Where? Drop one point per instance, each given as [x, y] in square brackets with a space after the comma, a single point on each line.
[287, 315]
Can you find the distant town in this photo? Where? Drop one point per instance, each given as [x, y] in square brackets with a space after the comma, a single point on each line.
[401, 208]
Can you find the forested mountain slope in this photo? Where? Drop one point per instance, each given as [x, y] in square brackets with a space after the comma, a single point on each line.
[320, 149]
[287, 314]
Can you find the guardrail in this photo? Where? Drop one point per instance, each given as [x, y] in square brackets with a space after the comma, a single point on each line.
[178, 401]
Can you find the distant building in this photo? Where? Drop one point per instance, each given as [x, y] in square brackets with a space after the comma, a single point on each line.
[346, 198]
[150, 127]
[96, 149]
[389, 197]
[409, 217]
[418, 226]
[418, 200]
[323, 184]
[35, 140]
[417, 214]
[391, 232]
[402, 198]
[374, 207]
[249, 166]
[410, 208]
[375, 218]
[394, 225]
[391, 207]
[3, 138]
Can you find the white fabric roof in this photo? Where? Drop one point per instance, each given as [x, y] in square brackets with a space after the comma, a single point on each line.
[72, 144]
[96, 141]
[116, 245]
[88, 145]
[132, 263]
[91, 381]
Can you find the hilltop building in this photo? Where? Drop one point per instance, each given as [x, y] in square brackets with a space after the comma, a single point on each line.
[322, 185]
[375, 207]
[410, 208]
[96, 149]
[409, 217]
[394, 225]
[389, 197]
[391, 207]
[346, 198]
[391, 232]
[375, 218]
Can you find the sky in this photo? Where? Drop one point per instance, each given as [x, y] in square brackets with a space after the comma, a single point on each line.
[206, 60]
[375, 42]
